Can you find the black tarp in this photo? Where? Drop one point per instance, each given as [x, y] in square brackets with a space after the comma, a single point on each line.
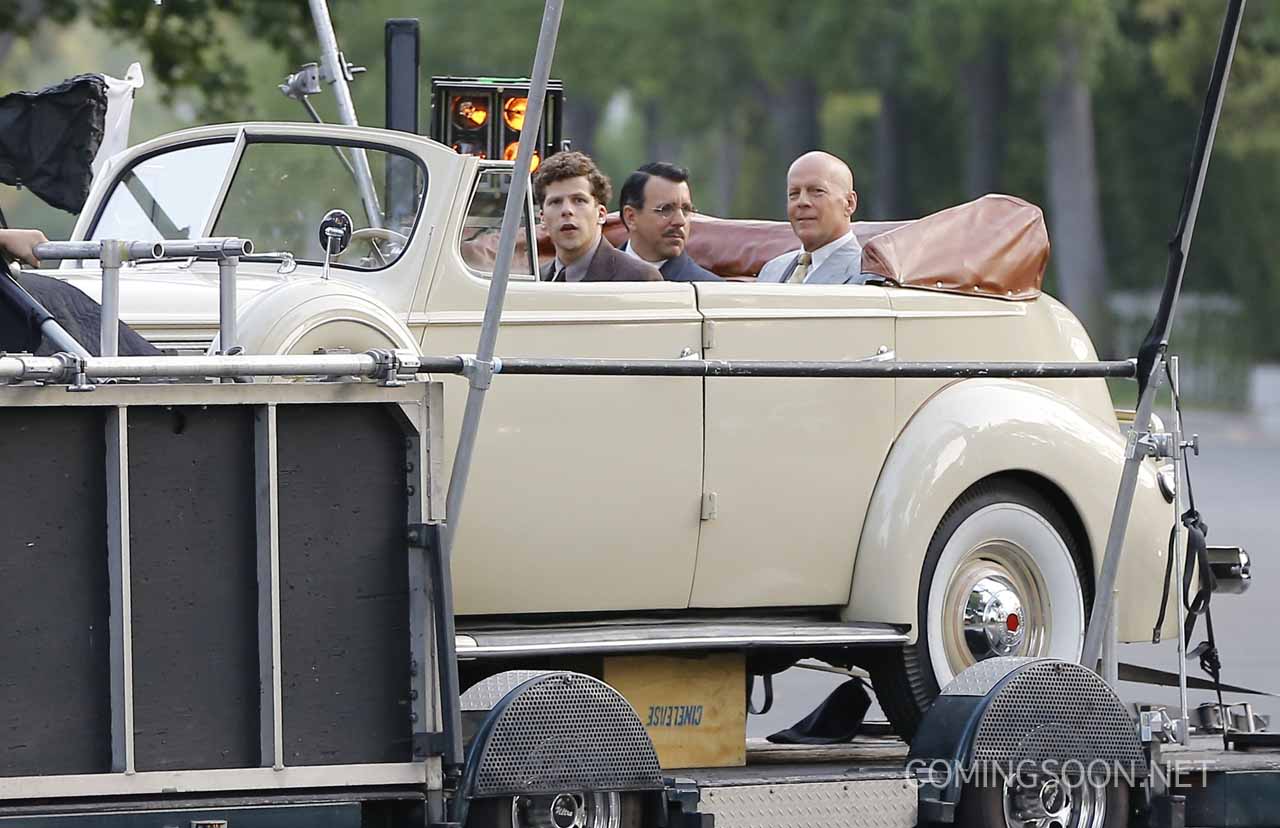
[79, 315]
[48, 139]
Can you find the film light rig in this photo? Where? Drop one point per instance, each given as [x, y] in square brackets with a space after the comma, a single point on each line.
[486, 116]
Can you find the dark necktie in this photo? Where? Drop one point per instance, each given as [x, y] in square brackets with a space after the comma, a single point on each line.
[557, 275]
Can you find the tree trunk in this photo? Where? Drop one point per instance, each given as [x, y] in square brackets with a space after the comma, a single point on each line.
[795, 109]
[986, 84]
[660, 143]
[887, 199]
[6, 44]
[26, 14]
[728, 167]
[790, 126]
[581, 121]
[1075, 213]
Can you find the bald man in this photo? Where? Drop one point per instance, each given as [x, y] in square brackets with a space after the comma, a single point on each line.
[820, 204]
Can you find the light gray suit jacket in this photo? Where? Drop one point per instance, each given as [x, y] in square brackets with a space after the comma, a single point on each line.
[842, 267]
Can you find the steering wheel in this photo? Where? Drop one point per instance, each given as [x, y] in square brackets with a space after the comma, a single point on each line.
[372, 234]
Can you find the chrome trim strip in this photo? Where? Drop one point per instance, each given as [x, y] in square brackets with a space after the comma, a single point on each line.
[751, 314]
[957, 314]
[593, 316]
[228, 779]
[670, 637]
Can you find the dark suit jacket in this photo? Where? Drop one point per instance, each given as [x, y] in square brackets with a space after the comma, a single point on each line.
[612, 265]
[684, 269]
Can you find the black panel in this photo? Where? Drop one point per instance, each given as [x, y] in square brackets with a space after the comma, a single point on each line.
[195, 602]
[55, 703]
[344, 585]
[402, 51]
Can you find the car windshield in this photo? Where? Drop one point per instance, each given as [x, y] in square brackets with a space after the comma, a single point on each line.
[166, 196]
[277, 197]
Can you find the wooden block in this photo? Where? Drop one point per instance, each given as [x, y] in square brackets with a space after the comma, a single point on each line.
[694, 708]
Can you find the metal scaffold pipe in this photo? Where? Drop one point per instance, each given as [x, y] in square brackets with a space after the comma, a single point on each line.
[364, 365]
[502, 267]
[1151, 355]
[128, 251]
[372, 364]
[335, 67]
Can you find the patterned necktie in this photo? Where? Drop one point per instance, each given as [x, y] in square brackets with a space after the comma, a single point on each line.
[802, 267]
[557, 275]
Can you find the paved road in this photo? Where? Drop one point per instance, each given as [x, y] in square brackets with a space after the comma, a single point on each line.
[1236, 481]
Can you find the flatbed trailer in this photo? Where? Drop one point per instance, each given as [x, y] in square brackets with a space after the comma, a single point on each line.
[221, 616]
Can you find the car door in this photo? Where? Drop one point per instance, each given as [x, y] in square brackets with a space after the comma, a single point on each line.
[790, 463]
[584, 493]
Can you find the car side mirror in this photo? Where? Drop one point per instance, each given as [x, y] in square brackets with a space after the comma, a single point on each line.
[335, 235]
[335, 231]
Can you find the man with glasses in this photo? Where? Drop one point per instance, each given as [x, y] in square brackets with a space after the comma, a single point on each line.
[572, 193]
[820, 204]
[657, 209]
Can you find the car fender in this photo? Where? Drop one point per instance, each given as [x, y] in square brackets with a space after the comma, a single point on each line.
[974, 430]
[305, 314]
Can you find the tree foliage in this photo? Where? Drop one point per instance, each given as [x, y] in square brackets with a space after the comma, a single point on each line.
[931, 101]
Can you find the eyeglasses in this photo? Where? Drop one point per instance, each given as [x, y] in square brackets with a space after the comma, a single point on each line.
[668, 211]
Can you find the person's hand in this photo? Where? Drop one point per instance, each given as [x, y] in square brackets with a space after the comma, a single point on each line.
[20, 244]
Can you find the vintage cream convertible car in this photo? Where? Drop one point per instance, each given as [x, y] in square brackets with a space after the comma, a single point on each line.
[913, 526]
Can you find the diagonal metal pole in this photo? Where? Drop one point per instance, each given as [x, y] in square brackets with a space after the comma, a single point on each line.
[1152, 353]
[481, 370]
[335, 66]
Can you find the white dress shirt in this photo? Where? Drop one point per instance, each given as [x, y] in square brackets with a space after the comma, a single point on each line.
[627, 248]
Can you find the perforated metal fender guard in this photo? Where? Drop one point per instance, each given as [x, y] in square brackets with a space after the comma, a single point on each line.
[1006, 717]
[561, 732]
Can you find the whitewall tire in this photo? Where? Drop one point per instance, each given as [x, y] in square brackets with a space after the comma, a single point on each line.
[1003, 576]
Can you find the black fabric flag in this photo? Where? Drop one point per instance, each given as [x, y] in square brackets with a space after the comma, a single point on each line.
[48, 139]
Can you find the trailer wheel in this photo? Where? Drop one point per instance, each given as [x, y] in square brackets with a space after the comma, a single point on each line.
[1001, 577]
[564, 810]
[1044, 804]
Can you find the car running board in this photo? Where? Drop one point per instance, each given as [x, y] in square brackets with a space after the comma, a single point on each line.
[668, 636]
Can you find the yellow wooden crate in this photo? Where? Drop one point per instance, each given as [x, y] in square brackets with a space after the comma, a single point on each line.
[693, 708]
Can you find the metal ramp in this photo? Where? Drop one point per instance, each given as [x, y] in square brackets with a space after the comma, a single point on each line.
[864, 783]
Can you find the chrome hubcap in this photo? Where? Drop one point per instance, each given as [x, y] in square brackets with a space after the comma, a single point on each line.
[993, 618]
[566, 810]
[996, 605]
[1052, 803]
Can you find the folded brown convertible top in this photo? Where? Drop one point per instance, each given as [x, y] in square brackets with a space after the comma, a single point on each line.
[995, 246]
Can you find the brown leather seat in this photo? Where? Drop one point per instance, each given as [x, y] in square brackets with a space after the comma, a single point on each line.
[995, 246]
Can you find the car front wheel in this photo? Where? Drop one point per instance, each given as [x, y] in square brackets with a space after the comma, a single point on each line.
[1044, 803]
[564, 810]
[1001, 577]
